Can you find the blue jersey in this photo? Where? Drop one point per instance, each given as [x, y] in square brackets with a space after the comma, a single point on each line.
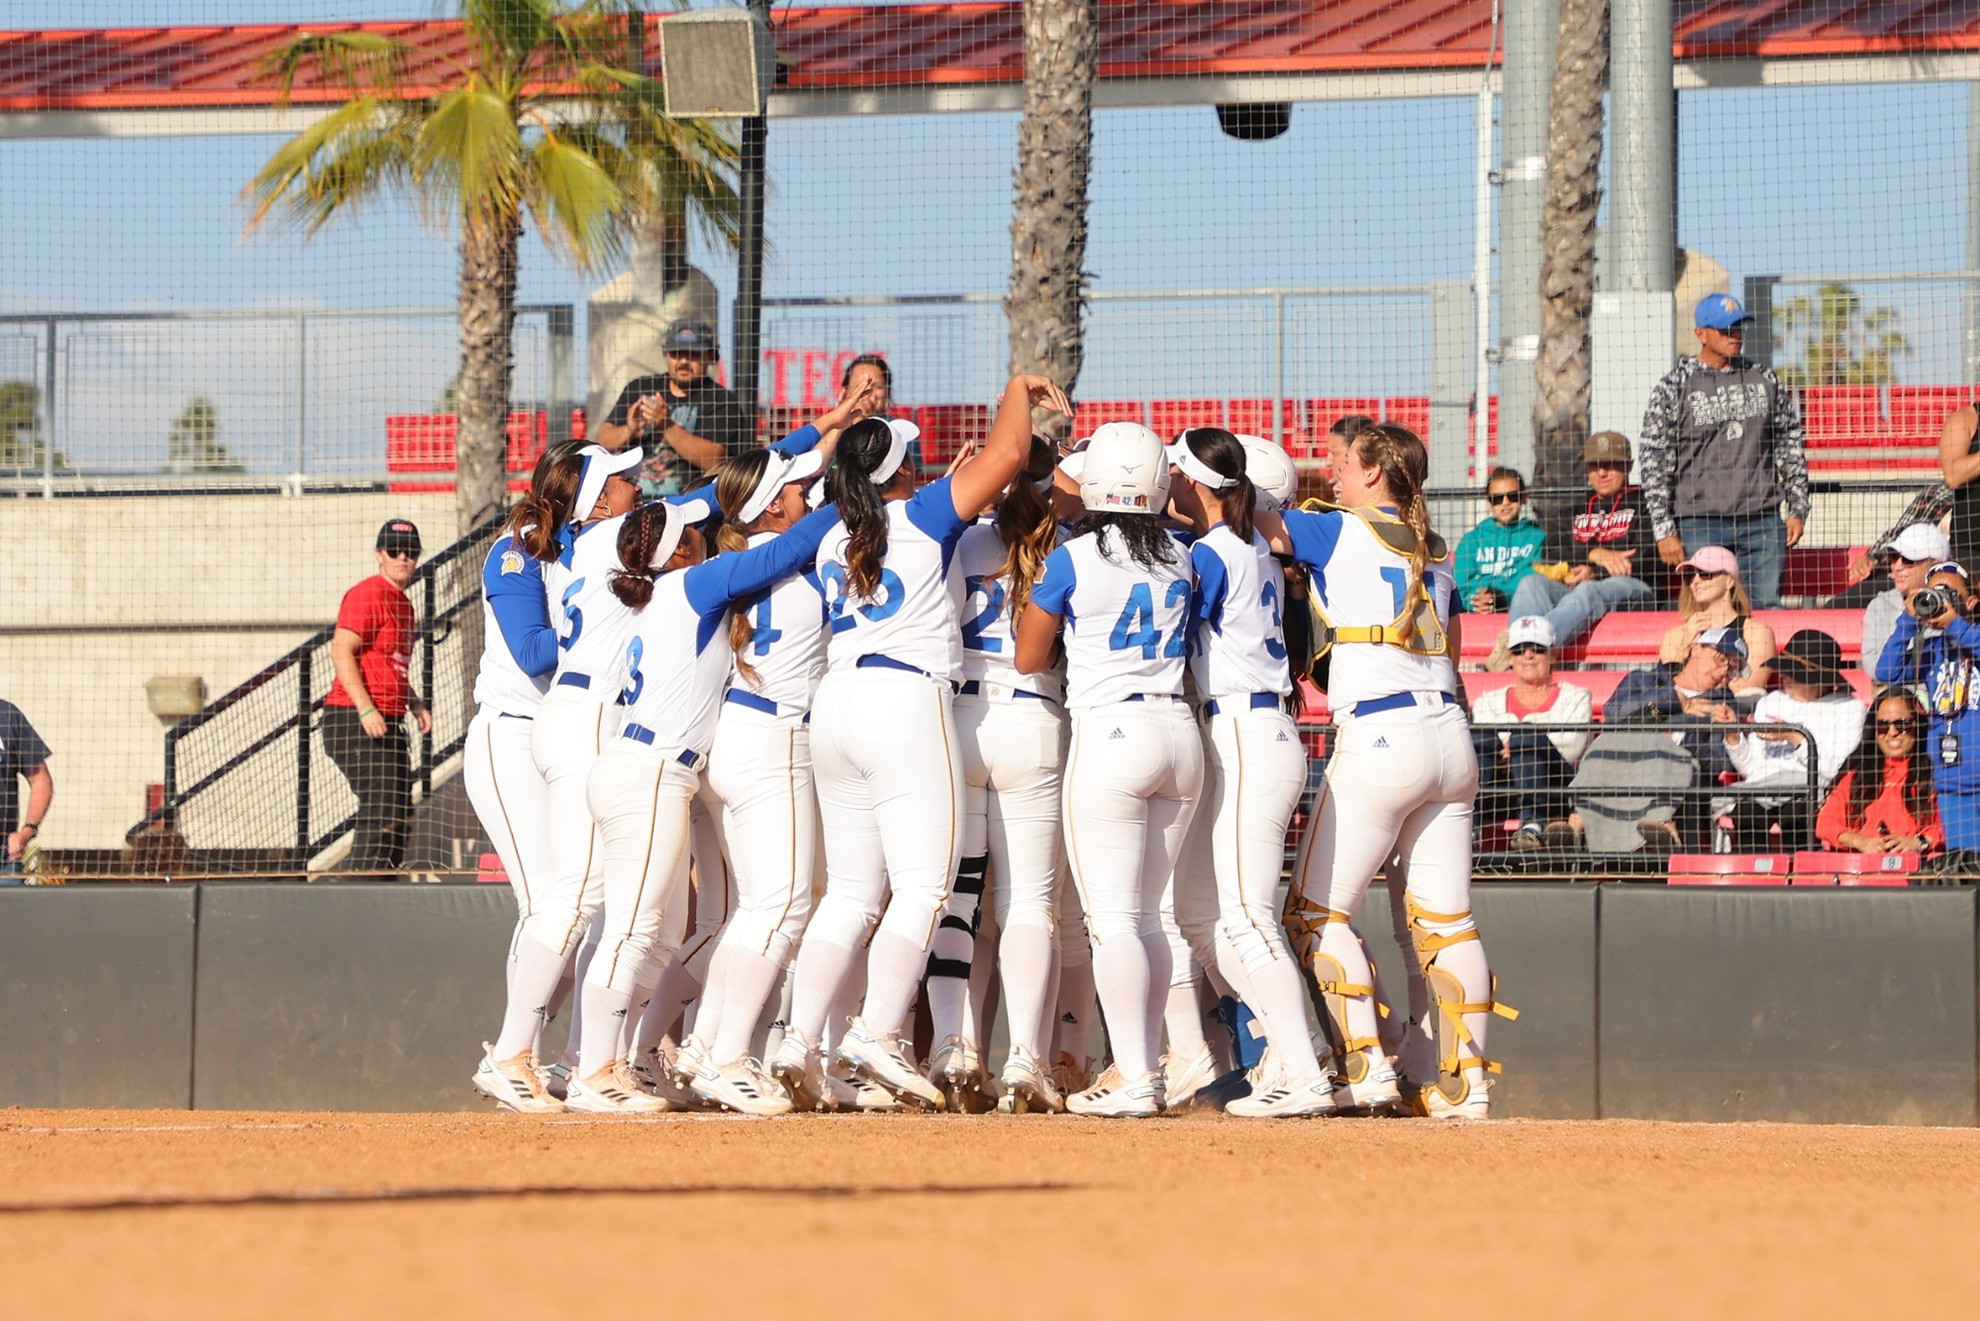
[1946, 670]
[519, 648]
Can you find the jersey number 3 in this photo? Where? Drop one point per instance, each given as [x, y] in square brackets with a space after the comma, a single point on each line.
[1136, 626]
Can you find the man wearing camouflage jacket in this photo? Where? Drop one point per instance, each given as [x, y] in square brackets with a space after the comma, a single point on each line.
[1722, 452]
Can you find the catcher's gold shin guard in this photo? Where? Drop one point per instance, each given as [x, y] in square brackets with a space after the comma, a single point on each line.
[1462, 1086]
[1327, 984]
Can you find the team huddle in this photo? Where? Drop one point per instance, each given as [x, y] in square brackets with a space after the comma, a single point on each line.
[1019, 735]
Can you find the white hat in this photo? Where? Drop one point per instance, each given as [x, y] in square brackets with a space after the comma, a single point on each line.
[1184, 458]
[904, 433]
[780, 472]
[1126, 470]
[1271, 470]
[682, 514]
[599, 464]
[1530, 628]
[1921, 541]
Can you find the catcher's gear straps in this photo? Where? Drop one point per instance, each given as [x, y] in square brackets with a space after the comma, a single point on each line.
[1328, 985]
[1447, 994]
[1416, 628]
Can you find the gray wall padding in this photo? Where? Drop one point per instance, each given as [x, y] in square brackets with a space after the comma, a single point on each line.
[1540, 940]
[347, 997]
[1823, 1006]
[97, 984]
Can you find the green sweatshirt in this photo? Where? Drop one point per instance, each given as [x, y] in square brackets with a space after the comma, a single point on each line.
[1496, 557]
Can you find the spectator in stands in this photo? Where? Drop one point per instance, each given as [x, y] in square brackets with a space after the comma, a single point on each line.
[1495, 555]
[1533, 765]
[1722, 451]
[1947, 670]
[1883, 801]
[870, 372]
[1710, 595]
[685, 422]
[364, 714]
[1959, 463]
[1912, 552]
[1609, 559]
[23, 756]
[1930, 505]
[1814, 695]
[1651, 766]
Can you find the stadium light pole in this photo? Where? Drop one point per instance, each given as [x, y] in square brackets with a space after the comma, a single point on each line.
[1531, 27]
[748, 340]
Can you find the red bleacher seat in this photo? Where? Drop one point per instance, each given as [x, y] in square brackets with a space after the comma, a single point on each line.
[946, 428]
[1728, 869]
[1320, 414]
[1918, 412]
[1169, 417]
[424, 443]
[1842, 415]
[490, 871]
[1818, 570]
[1088, 417]
[1894, 869]
[1412, 411]
[1253, 417]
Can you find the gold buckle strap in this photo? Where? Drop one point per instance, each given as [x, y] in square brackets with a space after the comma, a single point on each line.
[1375, 633]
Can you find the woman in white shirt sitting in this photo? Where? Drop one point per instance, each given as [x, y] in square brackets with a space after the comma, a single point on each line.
[1535, 767]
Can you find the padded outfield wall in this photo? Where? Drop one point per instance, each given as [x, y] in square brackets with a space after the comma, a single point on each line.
[1635, 1001]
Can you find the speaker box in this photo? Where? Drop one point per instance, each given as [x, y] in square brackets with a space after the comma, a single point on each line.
[716, 63]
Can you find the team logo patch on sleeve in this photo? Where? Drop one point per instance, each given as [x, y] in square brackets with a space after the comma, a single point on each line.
[512, 561]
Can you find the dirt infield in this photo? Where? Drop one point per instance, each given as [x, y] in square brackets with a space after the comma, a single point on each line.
[170, 1214]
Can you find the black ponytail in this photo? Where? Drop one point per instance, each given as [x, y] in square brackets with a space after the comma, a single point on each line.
[1223, 454]
[862, 449]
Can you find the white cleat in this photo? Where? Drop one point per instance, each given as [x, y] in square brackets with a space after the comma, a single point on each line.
[652, 1072]
[1117, 1097]
[740, 1087]
[1377, 1092]
[795, 1067]
[1287, 1099]
[688, 1061]
[612, 1091]
[1476, 1102]
[1182, 1079]
[1028, 1088]
[870, 1098]
[957, 1070]
[883, 1062]
[515, 1084]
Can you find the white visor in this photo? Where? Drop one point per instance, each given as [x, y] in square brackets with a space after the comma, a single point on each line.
[904, 433]
[599, 464]
[780, 472]
[681, 515]
[1196, 469]
[1073, 465]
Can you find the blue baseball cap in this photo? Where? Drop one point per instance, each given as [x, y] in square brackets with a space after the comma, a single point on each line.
[1719, 312]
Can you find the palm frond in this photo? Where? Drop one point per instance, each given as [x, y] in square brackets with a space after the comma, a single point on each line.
[469, 151]
[356, 151]
[509, 32]
[361, 61]
[576, 201]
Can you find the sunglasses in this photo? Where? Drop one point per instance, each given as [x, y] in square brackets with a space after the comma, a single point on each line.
[1506, 497]
[1605, 465]
[1908, 725]
[400, 552]
[1528, 649]
[1702, 573]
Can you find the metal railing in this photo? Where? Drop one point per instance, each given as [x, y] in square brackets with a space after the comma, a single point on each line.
[248, 785]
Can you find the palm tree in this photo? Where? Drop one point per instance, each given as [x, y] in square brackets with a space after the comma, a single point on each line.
[547, 116]
[1046, 303]
[1562, 372]
[1840, 343]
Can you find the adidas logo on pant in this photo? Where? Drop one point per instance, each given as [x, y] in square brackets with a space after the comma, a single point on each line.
[1381, 742]
[1116, 734]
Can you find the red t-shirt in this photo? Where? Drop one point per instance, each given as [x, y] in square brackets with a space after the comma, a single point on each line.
[382, 617]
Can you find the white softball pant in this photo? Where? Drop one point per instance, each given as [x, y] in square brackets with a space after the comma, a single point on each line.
[640, 796]
[758, 789]
[1133, 777]
[1254, 775]
[1400, 781]
[570, 730]
[512, 800]
[890, 794]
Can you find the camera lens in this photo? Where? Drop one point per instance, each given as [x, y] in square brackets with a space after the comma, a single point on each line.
[1930, 601]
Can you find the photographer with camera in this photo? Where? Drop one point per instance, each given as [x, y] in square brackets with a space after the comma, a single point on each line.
[1944, 670]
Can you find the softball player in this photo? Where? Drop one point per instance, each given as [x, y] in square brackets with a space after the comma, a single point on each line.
[757, 787]
[1403, 776]
[1255, 765]
[1120, 589]
[670, 674]
[883, 736]
[571, 722]
[518, 656]
[1012, 732]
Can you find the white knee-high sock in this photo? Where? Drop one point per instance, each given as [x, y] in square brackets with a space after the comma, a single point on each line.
[535, 973]
[579, 967]
[1182, 1012]
[604, 1011]
[1025, 958]
[1121, 974]
[981, 1006]
[708, 1009]
[1279, 997]
[818, 985]
[676, 987]
[1076, 1006]
[893, 974]
[1155, 947]
[747, 979]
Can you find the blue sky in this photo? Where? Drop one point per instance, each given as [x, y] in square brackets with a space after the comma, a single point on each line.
[1358, 193]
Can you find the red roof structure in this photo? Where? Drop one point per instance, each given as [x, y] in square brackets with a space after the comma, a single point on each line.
[935, 44]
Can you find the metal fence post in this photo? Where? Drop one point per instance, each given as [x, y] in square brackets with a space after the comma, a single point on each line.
[302, 760]
[1279, 369]
[562, 397]
[426, 689]
[302, 403]
[48, 418]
